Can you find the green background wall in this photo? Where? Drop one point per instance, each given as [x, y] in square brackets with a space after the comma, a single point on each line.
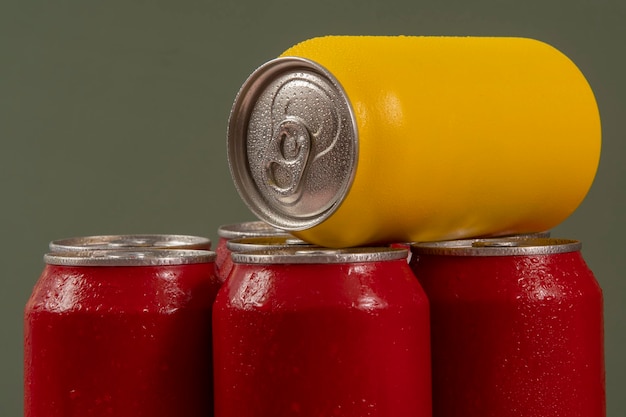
[113, 118]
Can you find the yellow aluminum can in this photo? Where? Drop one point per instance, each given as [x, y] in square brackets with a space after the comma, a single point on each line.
[354, 140]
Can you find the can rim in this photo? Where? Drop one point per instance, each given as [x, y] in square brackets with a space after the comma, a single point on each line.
[497, 247]
[248, 229]
[319, 255]
[130, 241]
[149, 257]
[236, 145]
[265, 243]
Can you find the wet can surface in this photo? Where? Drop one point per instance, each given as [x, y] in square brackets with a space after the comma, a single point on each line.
[314, 332]
[242, 230]
[516, 328]
[121, 333]
[311, 131]
[134, 241]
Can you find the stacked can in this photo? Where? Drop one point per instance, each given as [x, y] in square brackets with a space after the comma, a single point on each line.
[354, 140]
[227, 232]
[517, 328]
[120, 332]
[318, 332]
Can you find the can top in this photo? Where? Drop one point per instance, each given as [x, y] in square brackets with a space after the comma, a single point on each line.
[318, 255]
[292, 143]
[145, 257]
[265, 243]
[135, 241]
[534, 235]
[248, 229]
[497, 247]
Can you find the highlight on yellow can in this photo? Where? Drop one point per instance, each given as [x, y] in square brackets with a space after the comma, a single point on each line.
[354, 140]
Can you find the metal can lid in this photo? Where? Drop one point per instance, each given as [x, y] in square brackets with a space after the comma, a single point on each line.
[292, 143]
[265, 243]
[248, 229]
[135, 241]
[534, 235]
[497, 247]
[144, 257]
[318, 255]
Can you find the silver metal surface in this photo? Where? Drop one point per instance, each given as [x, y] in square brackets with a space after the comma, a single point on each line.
[317, 255]
[536, 235]
[248, 229]
[497, 247]
[292, 143]
[155, 241]
[147, 257]
[265, 243]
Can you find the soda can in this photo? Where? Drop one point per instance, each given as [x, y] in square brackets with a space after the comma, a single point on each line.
[121, 333]
[516, 328]
[227, 232]
[248, 244]
[321, 332]
[354, 140]
[134, 241]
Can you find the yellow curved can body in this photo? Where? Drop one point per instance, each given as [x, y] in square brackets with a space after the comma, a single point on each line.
[458, 137]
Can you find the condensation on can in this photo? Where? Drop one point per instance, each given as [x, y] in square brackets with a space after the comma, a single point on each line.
[516, 327]
[348, 141]
[121, 332]
[319, 331]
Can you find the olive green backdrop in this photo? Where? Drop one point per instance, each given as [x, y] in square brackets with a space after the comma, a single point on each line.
[113, 117]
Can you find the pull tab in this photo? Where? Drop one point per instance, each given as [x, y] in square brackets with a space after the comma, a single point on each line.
[286, 159]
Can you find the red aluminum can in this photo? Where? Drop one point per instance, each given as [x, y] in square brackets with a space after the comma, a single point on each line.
[121, 333]
[517, 328]
[134, 241]
[319, 332]
[227, 232]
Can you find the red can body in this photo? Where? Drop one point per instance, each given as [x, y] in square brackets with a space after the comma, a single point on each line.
[347, 337]
[226, 232]
[516, 331]
[121, 340]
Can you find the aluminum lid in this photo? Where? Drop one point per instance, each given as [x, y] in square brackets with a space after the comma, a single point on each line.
[317, 255]
[535, 235]
[265, 243]
[134, 241]
[497, 247]
[248, 229]
[147, 257]
[292, 143]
